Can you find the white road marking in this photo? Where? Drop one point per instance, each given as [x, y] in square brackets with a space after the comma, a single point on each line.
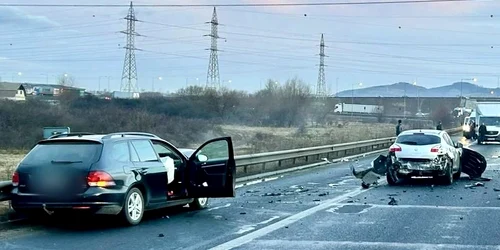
[248, 228]
[258, 181]
[421, 206]
[219, 207]
[304, 244]
[287, 221]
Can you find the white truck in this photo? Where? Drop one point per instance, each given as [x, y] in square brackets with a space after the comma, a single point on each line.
[489, 114]
[125, 95]
[358, 108]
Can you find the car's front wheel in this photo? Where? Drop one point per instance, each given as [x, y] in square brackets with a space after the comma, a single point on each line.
[199, 203]
[133, 208]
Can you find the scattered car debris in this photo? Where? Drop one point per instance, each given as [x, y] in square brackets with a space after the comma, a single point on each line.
[272, 194]
[496, 189]
[316, 200]
[161, 235]
[243, 213]
[477, 184]
[393, 202]
[324, 194]
[252, 191]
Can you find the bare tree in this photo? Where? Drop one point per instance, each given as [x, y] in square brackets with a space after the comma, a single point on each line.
[66, 80]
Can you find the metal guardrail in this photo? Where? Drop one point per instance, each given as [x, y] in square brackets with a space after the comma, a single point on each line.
[271, 161]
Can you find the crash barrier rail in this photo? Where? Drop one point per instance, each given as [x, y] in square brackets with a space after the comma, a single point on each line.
[253, 164]
[272, 161]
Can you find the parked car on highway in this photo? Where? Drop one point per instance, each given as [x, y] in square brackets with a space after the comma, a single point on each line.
[425, 153]
[122, 174]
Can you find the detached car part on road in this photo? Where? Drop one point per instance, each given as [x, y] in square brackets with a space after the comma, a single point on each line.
[121, 174]
[423, 153]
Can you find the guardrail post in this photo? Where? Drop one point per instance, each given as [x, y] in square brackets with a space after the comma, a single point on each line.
[264, 167]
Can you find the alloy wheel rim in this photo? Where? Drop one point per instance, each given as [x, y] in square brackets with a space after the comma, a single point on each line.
[134, 205]
[202, 201]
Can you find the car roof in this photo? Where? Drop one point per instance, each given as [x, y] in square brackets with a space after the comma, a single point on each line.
[425, 131]
[100, 138]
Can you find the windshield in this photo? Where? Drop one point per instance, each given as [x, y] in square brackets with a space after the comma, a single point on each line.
[418, 139]
[64, 153]
[490, 121]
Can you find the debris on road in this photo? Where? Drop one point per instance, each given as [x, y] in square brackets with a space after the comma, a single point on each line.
[324, 194]
[161, 235]
[477, 184]
[272, 194]
[243, 213]
[496, 189]
[393, 202]
[252, 191]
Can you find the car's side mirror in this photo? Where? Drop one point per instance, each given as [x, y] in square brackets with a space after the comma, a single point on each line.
[202, 158]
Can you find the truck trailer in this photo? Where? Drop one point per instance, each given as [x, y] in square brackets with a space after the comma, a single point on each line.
[358, 108]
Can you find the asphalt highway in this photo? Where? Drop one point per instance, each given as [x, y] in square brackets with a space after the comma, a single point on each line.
[320, 208]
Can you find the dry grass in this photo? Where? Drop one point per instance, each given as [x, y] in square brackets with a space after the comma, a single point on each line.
[248, 140]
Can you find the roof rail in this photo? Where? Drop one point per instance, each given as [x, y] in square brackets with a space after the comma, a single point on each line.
[123, 134]
[79, 134]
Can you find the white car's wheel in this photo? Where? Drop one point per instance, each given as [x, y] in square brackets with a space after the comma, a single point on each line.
[447, 179]
[199, 203]
[133, 208]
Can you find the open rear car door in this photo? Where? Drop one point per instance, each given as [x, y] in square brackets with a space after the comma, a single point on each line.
[212, 169]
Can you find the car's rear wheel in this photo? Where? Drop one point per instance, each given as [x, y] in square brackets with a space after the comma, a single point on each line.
[199, 203]
[133, 208]
[392, 176]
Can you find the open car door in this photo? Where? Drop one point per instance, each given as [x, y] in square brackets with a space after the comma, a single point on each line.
[212, 169]
[473, 163]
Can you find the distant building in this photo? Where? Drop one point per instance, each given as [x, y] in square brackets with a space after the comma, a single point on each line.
[12, 91]
[52, 90]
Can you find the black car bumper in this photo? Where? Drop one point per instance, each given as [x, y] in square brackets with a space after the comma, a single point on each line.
[94, 200]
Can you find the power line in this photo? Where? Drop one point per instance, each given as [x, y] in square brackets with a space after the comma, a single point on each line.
[239, 5]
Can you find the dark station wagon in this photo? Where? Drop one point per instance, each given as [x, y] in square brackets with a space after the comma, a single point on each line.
[122, 174]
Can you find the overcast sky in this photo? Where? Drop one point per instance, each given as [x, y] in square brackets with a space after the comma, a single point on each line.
[434, 44]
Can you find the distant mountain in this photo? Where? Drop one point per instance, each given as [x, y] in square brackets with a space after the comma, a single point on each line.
[401, 89]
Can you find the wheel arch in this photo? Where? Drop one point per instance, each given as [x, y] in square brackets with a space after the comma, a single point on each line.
[142, 188]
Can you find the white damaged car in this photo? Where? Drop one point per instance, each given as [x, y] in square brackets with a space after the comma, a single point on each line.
[425, 153]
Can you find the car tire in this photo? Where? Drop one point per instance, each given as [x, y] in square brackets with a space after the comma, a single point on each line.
[133, 207]
[393, 178]
[199, 203]
[457, 175]
[447, 179]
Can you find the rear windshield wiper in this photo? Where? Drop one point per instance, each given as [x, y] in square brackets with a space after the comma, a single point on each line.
[66, 162]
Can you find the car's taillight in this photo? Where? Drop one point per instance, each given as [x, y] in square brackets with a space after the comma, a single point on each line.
[435, 149]
[15, 179]
[100, 179]
[395, 148]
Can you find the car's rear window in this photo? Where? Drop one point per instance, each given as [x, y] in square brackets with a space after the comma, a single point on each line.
[418, 139]
[64, 152]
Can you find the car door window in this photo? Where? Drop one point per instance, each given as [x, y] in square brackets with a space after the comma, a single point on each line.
[448, 140]
[163, 150]
[217, 150]
[120, 152]
[144, 150]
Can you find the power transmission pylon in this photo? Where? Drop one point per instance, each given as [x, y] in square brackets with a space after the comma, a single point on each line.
[213, 77]
[129, 66]
[321, 85]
